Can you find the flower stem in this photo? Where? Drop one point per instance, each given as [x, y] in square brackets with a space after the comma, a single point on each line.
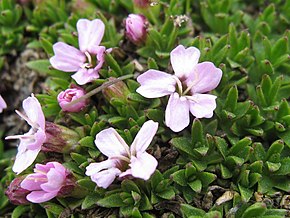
[103, 86]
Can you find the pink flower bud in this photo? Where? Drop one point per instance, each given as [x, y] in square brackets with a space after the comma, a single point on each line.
[142, 3]
[15, 193]
[59, 139]
[69, 95]
[136, 28]
[118, 91]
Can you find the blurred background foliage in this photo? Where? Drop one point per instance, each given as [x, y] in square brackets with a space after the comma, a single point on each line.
[235, 164]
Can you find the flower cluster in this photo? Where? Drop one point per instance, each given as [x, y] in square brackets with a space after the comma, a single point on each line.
[187, 89]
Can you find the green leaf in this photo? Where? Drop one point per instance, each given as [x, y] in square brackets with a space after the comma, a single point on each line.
[189, 211]
[231, 100]
[255, 210]
[112, 63]
[246, 193]
[78, 158]
[86, 183]
[19, 211]
[179, 177]
[90, 200]
[129, 186]
[197, 135]
[183, 144]
[196, 185]
[113, 200]
[53, 208]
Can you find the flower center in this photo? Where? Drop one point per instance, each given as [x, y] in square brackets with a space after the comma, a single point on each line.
[92, 61]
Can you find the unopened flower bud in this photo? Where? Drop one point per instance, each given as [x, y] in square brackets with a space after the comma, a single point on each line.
[69, 95]
[15, 193]
[59, 138]
[136, 28]
[118, 90]
[142, 3]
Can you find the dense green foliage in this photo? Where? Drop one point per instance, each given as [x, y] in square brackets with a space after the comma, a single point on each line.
[235, 164]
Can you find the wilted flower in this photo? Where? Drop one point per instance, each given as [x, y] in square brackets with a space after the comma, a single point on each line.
[136, 28]
[123, 161]
[88, 60]
[3, 104]
[15, 193]
[69, 95]
[185, 88]
[142, 3]
[118, 90]
[30, 142]
[46, 182]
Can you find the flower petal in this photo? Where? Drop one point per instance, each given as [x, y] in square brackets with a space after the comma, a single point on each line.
[183, 60]
[67, 58]
[144, 137]
[143, 166]
[55, 181]
[24, 158]
[40, 196]
[3, 104]
[94, 168]
[177, 113]
[206, 77]
[110, 143]
[202, 105]
[105, 178]
[155, 84]
[33, 181]
[90, 34]
[84, 76]
[34, 112]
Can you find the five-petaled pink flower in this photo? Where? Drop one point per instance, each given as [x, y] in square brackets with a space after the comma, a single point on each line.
[65, 97]
[186, 88]
[3, 104]
[46, 182]
[123, 161]
[30, 142]
[88, 60]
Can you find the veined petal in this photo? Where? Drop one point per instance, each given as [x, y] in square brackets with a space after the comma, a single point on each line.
[39, 138]
[33, 181]
[183, 60]
[94, 168]
[55, 181]
[202, 105]
[177, 113]
[111, 144]
[90, 34]
[24, 159]
[144, 137]
[143, 166]
[34, 112]
[84, 76]
[105, 178]
[155, 84]
[206, 77]
[40, 196]
[67, 58]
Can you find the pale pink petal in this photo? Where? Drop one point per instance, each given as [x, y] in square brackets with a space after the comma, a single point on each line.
[144, 137]
[84, 76]
[40, 196]
[55, 181]
[143, 166]
[33, 181]
[39, 138]
[100, 54]
[67, 58]
[111, 144]
[44, 168]
[202, 105]
[105, 178]
[3, 104]
[177, 113]
[34, 112]
[183, 60]
[155, 84]
[205, 78]
[90, 34]
[24, 159]
[127, 173]
[94, 168]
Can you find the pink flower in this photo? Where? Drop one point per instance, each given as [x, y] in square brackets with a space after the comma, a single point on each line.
[30, 142]
[186, 88]
[69, 95]
[3, 104]
[123, 161]
[46, 182]
[136, 28]
[88, 60]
